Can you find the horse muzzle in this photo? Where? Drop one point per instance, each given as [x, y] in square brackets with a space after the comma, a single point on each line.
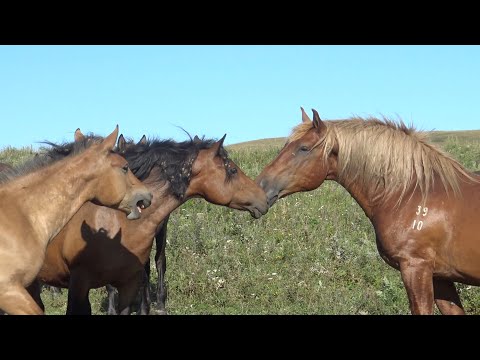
[258, 211]
[270, 191]
[137, 204]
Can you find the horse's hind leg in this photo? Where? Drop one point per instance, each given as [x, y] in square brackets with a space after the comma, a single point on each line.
[417, 276]
[161, 264]
[446, 297]
[15, 300]
[112, 300]
[35, 290]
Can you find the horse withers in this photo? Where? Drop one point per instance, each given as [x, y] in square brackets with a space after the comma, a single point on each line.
[422, 203]
[38, 201]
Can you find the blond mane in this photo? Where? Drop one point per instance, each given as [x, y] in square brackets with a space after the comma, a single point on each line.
[386, 157]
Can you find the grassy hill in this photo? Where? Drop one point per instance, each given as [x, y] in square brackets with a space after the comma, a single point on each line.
[312, 253]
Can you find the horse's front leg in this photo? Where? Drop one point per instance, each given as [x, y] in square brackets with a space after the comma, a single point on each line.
[112, 299]
[161, 265]
[15, 300]
[35, 289]
[417, 276]
[446, 297]
[78, 291]
[128, 291]
[145, 301]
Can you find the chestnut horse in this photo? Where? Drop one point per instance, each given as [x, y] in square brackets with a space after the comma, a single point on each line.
[98, 247]
[422, 204]
[38, 201]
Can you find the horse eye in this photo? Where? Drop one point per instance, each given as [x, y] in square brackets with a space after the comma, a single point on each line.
[304, 148]
[233, 170]
[125, 169]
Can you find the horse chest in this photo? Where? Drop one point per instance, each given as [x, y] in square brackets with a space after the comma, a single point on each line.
[104, 220]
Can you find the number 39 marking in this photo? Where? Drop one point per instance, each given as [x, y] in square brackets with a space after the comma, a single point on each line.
[420, 210]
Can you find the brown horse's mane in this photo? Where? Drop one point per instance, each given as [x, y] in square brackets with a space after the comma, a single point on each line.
[173, 159]
[387, 157]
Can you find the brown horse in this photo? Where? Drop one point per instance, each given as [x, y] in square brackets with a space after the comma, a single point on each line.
[423, 204]
[98, 247]
[35, 207]
[160, 264]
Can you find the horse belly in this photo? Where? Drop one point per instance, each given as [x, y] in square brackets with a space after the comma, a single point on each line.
[465, 253]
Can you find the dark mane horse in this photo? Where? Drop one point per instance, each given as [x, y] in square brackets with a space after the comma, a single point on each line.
[38, 202]
[171, 153]
[98, 247]
[422, 203]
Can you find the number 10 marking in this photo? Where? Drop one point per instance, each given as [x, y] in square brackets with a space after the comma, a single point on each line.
[418, 224]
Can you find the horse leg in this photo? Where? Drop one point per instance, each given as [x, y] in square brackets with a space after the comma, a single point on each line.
[417, 276]
[15, 300]
[127, 293]
[35, 289]
[145, 300]
[78, 301]
[112, 300]
[161, 264]
[446, 297]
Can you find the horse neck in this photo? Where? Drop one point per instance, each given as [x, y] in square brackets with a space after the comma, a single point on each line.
[361, 196]
[163, 203]
[53, 195]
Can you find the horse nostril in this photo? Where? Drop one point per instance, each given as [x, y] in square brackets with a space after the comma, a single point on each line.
[147, 201]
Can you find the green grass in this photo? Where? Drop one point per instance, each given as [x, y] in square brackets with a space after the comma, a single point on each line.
[313, 253]
[14, 156]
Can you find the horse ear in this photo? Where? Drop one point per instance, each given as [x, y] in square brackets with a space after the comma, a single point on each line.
[121, 143]
[317, 122]
[196, 139]
[78, 135]
[305, 117]
[218, 145]
[143, 140]
[109, 142]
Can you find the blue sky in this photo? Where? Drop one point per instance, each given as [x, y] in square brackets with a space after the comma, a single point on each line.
[247, 92]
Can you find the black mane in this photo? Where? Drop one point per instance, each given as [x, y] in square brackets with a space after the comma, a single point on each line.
[173, 159]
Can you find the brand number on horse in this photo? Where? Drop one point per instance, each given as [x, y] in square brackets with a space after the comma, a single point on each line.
[423, 211]
[418, 224]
